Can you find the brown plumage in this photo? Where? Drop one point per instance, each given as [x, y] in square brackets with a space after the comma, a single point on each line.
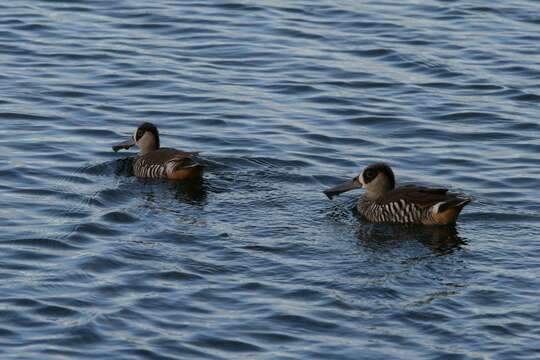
[155, 162]
[422, 196]
[450, 204]
[384, 202]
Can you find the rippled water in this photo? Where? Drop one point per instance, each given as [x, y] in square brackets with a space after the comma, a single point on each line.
[284, 98]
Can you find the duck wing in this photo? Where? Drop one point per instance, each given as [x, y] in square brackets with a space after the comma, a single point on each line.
[422, 197]
[165, 155]
[178, 165]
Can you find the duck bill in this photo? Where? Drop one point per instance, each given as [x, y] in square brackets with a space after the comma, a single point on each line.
[124, 145]
[341, 188]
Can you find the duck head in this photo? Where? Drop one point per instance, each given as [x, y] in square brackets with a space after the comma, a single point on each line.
[146, 137]
[376, 179]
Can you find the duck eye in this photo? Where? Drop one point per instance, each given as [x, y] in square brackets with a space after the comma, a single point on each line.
[139, 134]
[370, 174]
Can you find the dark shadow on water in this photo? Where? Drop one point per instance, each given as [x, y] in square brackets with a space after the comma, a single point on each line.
[442, 240]
[191, 192]
[124, 167]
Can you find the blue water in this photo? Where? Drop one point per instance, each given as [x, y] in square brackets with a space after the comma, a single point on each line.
[284, 98]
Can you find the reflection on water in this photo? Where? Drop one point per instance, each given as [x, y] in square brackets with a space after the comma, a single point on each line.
[442, 240]
[124, 167]
[194, 191]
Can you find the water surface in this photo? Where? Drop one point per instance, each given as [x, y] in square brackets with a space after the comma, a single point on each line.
[284, 98]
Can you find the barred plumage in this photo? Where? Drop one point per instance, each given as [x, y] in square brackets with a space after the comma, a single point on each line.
[143, 168]
[383, 202]
[399, 211]
[155, 162]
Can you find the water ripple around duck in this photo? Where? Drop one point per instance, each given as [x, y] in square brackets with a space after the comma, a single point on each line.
[283, 100]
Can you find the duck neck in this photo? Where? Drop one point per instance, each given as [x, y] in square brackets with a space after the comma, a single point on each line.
[371, 195]
[377, 188]
[146, 150]
[147, 144]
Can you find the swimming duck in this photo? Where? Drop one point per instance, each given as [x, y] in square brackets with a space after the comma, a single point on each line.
[384, 202]
[155, 162]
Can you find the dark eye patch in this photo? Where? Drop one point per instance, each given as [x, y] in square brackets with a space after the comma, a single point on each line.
[139, 134]
[369, 175]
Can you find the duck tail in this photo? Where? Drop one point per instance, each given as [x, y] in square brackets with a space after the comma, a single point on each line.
[456, 203]
[447, 211]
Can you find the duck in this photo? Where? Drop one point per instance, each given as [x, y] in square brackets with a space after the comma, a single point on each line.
[382, 201]
[155, 162]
